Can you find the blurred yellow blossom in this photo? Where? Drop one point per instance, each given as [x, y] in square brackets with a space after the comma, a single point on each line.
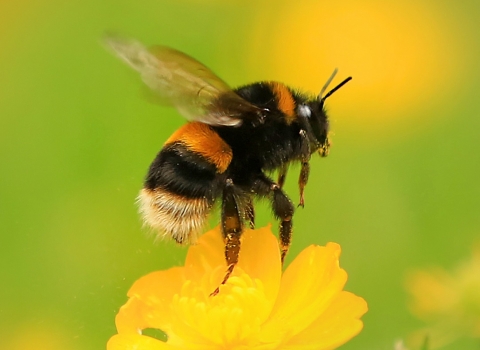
[448, 301]
[379, 43]
[258, 307]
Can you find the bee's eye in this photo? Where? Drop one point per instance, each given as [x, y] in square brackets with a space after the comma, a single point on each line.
[304, 111]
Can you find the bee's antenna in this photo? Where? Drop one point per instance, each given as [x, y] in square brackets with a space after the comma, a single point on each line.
[326, 84]
[335, 89]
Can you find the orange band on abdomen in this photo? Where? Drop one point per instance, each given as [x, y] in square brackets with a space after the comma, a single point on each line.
[203, 140]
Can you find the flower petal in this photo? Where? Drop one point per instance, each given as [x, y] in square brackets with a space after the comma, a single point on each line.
[434, 293]
[137, 342]
[309, 285]
[131, 317]
[338, 324]
[149, 303]
[205, 257]
[260, 259]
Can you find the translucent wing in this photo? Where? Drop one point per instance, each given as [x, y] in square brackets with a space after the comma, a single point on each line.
[181, 81]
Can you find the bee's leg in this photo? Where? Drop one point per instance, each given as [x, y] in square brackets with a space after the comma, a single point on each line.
[325, 147]
[302, 181]
[282, 175]
[232, 227]
[305, 170]
[250, 213]
[282, 209]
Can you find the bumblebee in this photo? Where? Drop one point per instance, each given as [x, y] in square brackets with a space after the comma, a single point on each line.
[233, 139]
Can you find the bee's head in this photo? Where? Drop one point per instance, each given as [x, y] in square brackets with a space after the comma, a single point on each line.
[317, 116]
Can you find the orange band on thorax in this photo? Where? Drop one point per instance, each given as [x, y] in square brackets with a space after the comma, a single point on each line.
[286, 103]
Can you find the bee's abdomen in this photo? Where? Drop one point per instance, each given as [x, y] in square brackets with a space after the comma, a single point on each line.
[174, 216]
[181, 184]
[181, 171]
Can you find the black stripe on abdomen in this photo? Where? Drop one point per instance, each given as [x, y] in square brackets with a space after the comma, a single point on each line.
[182, 172]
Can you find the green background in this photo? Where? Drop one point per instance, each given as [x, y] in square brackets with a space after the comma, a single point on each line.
[77, 138]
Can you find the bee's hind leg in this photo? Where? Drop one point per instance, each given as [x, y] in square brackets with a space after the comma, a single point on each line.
[232, 228]
[250, 213]
[282, 206]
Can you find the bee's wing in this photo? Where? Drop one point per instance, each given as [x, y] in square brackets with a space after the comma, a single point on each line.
[181, 81]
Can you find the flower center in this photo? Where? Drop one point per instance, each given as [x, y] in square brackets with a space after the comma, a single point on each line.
[231, 318]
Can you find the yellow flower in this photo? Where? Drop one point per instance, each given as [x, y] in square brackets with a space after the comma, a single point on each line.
[448, 301]
[258, 307]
